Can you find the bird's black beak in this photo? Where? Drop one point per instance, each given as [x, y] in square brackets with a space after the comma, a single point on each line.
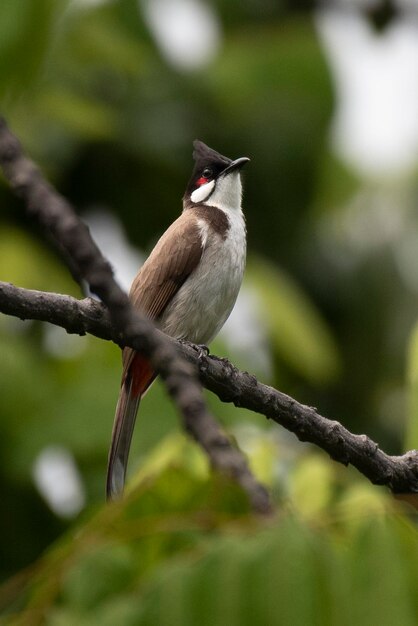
[235, 165]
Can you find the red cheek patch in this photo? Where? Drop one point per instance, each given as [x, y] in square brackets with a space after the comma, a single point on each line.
[202, 181]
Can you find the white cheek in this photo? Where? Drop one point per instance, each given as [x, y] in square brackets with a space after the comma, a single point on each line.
[201, 193]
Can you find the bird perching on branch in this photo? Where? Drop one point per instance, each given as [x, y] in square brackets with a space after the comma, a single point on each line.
[188, 284]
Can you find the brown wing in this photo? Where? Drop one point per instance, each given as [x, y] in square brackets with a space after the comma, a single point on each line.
[173, 259]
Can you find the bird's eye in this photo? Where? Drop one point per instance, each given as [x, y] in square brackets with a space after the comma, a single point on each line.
[206, 175]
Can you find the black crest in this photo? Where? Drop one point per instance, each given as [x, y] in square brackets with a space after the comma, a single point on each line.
[204, 156]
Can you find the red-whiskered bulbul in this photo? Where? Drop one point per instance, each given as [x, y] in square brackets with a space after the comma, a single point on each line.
[188, 284]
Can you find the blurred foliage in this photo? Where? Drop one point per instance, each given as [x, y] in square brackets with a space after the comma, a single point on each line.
[110, 120]
[412, 431]
[296, 330]
[182, 549]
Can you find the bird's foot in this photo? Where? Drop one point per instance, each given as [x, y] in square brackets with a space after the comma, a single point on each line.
[202, 350]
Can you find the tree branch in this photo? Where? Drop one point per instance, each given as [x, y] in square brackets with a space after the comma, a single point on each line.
[399, 473]
[72, 236]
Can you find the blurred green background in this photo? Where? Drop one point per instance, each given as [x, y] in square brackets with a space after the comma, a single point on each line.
[107, 97]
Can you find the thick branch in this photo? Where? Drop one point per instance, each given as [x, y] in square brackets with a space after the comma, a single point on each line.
[399, 473]
[72, 236]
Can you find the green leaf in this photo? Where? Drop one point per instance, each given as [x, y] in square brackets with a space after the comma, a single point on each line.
[83, 588]
[379, 579]
[300, 336]
[26, 263]
[276, 577]
[25, 33]
[412, 383]
[311, 485]
[79, 114]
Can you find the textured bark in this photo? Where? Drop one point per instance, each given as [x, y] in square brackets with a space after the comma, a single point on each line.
[399, 473]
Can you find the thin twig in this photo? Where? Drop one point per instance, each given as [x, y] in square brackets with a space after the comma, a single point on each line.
[399, 473]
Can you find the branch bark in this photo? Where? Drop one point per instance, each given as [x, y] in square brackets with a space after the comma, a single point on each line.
[399, 473]
[58, 218]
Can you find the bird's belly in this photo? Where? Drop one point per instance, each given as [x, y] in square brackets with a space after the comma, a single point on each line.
[203, 304]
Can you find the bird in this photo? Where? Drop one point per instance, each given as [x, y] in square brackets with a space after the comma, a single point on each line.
[188, 284]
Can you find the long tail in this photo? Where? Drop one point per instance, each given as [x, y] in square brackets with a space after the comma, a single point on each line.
[139, 377]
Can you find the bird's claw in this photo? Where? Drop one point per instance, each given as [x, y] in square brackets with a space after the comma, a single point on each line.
[202, 350]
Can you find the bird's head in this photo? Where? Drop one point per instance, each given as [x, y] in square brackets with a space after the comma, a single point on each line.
[215, 179]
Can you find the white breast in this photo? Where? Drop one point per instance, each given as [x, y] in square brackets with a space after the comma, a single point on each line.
[203, 304]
